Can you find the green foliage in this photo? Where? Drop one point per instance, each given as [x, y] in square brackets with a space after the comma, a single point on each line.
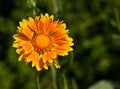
[103, 84]
[95, 27]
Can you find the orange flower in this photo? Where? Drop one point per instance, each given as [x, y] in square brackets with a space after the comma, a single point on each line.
[39, 40]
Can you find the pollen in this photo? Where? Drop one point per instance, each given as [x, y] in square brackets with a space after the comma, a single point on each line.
[42, 41]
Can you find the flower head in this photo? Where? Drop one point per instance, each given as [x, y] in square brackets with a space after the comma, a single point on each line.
[39, 40]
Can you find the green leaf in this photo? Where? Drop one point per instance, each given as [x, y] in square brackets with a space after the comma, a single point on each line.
[103, 84]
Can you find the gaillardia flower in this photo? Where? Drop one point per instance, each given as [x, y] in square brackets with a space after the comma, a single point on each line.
[39, 40]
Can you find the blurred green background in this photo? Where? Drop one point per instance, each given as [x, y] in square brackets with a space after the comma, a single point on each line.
[95, 27]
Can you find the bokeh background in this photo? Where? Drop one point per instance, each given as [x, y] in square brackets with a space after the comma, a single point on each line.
[95, 62]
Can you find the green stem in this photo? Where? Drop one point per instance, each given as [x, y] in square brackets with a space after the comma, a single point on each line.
[57, 7]
[65, 82]
[54, 77]
[38, 83]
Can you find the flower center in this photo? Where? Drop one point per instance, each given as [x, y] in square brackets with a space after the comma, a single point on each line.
[42, 41]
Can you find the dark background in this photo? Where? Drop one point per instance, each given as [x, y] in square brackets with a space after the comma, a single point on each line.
[95, 27]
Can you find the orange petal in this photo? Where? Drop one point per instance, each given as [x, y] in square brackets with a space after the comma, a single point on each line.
[61, 52]
[36, 58]
[46, 57]
[27, 46]
[45, 66]
[21, 57]
[56, 64]
[33, 24]
[52, 54]
[20, 50]
[26, 31]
